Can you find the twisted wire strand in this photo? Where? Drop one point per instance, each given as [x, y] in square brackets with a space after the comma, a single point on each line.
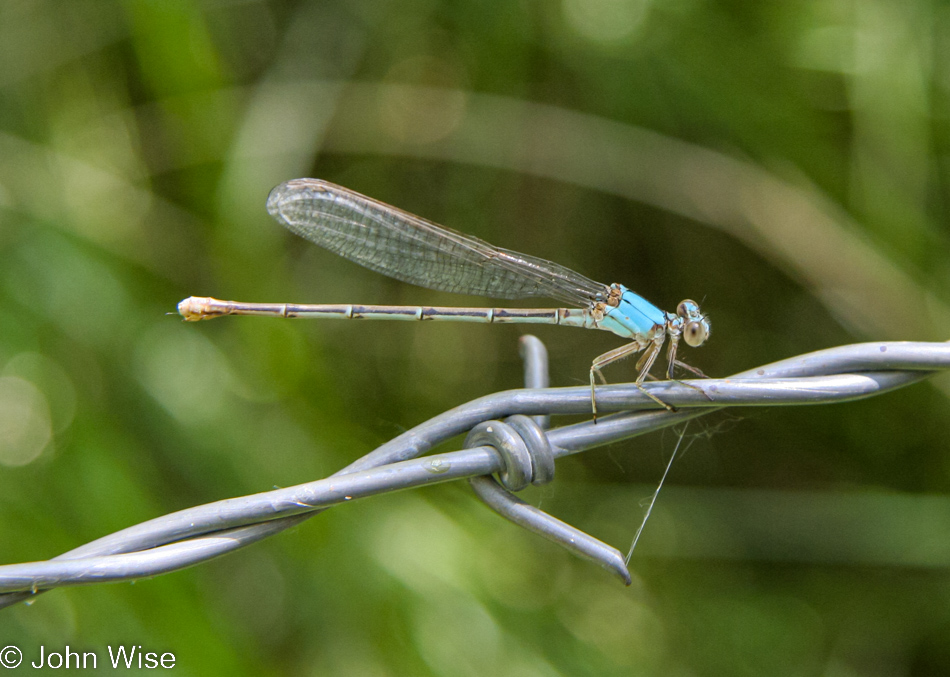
[197, 534]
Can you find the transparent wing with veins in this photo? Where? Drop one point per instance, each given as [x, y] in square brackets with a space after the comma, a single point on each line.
[409, 248]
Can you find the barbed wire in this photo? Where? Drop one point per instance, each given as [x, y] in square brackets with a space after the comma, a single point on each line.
[519, 449]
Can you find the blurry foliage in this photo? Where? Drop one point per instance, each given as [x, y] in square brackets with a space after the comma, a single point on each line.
[785, 163]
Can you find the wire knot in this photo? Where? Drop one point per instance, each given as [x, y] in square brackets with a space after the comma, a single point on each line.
[523, 447]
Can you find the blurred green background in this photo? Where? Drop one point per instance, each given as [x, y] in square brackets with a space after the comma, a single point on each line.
[786, 164]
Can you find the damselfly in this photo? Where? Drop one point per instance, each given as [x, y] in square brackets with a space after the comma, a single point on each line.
[409, 248]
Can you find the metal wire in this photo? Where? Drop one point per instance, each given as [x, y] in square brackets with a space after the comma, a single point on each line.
[519, 450]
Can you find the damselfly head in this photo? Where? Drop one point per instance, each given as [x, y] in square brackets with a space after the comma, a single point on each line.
[696, 327]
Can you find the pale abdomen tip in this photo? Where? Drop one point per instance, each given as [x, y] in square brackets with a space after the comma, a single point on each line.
[195, 308]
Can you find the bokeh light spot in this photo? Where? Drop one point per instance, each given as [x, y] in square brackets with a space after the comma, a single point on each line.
[184, 372]
[25, 427]
[605, 21]
[419, 114]
[52, 380]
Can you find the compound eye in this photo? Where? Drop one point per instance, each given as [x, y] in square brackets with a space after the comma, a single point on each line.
[695, 333]
[687, 308]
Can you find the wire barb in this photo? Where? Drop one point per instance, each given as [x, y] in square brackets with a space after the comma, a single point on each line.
[198, 534]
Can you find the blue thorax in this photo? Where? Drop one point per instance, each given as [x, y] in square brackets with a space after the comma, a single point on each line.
[633, 317]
